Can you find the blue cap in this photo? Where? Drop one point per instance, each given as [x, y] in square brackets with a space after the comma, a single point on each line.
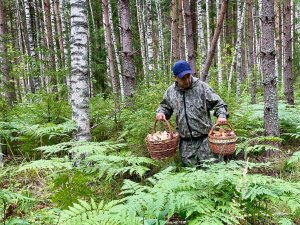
[181, 68]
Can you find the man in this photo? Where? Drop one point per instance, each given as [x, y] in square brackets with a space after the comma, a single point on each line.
[191, 100]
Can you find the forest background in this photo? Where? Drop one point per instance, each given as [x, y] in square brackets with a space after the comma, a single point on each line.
[84, 78]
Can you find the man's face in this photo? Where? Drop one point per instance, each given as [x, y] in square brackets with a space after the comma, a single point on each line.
[184, 82]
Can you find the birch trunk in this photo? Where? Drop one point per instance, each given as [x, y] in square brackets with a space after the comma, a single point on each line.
[219, 56]
[201, 39]
[54, 34]
[278, 41]
[238, 41]
[207, 24]
[288, 76]
[141, 35]
[189, 37]
[161, 58]
[238, 48]
[268, 68]
[149, 40]
[117, 55]
[79, 69]
[128, 67]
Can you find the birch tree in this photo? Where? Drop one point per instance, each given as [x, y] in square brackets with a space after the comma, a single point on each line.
[238, 48]
[201, 39]
[268, 69]
[149, 40]
[161, 55]
[79, 69]
[219, 56]
[141, 28]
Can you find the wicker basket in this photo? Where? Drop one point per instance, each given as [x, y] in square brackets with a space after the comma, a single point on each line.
[222, 145]
[165, 148]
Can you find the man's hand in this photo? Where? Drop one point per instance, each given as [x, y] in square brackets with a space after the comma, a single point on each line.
[222, 120]
[160, 116]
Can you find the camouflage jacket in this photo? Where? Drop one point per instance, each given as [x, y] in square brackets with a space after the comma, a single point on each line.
[192, 108]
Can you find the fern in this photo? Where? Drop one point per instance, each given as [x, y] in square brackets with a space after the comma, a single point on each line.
[294, 158]
[52, 164]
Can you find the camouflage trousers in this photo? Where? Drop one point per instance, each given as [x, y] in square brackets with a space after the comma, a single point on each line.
[194, 151]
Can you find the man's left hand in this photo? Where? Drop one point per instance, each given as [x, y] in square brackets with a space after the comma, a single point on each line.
[222, 120]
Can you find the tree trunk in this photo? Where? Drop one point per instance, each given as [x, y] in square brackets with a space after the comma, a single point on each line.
[174, 31]
[288, 77]
[278, 40]
[238, 48]
[252, 77]
[238, 43]
[117, 55]
[161, 58]
[189, 37]
[201, 39]
[59, 31]
[268, 69]
[128, 67]
[219, 60]
[141, 35]
[214, 40]
[180, 31]
[8, 81]
[207, 25]
[50, 41]
[149, 39]
[79, 69]
[110, 48]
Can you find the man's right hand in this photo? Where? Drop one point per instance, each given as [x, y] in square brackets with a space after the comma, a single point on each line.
[160, 116]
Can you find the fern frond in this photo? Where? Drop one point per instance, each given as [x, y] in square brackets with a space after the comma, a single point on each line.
[51, 164]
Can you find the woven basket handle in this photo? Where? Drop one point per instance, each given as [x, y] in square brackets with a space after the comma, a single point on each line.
[168, 124]
[218, 124]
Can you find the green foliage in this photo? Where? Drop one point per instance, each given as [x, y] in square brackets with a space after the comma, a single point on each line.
[222, 194]
[69, 186]
[138, 120]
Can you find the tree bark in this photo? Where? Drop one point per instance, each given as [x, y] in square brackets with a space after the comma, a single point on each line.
[201, 39]
[128, 67]
[8, 81]
[149, 40]
[189, 37]
[59, 31]
[79, 69]
[268, 69]
[219, 55]
[252, 77]
[214, 40]
[174, 31]
[288, 76]
[110, 48]
[180, 31]
[278, 40]
[161, 55]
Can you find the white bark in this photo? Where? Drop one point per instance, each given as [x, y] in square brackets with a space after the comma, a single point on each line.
[207, 24]
[149, 40]
[161, 58]
[92, 13]
[142, 34]
[79, 69]
[201, 39]
[116, 51]
[238, 49]
[54, 34]
[239, 29]
[219, 56]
